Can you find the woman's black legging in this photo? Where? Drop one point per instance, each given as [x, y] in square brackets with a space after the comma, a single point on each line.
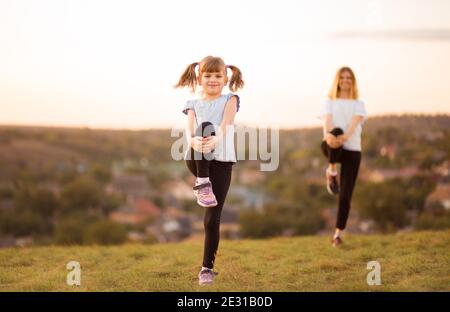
[350, 161]
[220, 177]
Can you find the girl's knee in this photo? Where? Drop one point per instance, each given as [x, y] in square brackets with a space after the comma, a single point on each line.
[205, 129]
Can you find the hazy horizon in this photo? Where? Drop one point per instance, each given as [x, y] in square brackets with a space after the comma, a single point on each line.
[112, 64]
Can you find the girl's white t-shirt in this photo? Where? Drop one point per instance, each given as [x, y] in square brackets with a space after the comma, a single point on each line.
[213, 111]
[342, 112]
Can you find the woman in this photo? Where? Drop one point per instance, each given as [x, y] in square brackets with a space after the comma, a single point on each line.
[343, 116]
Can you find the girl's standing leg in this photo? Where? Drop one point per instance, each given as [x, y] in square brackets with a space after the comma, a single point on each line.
[349, 172]
[220, 176]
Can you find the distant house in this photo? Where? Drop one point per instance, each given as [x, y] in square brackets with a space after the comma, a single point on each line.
[135, 211]
[249, 197]
[443, 169]
[146, 207]
[381, 175]
[134, 185]
[173, 225]
[441, 195]
[389, 151]
[251, 176]
[179, 189]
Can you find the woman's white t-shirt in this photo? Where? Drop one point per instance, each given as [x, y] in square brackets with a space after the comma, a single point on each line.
[342, 112]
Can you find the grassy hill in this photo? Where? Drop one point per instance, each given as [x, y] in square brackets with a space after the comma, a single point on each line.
[418, 261]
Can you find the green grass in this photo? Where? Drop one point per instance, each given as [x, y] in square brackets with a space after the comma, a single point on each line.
[418, 261]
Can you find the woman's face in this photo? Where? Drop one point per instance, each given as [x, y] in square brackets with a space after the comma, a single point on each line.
[213, 83]
[345, 81]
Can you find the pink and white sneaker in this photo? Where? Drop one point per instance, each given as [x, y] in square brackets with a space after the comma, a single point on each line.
[205, 195]
[206, 276]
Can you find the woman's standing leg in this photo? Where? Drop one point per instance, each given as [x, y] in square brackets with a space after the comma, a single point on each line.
[220, 175]
[349, 172]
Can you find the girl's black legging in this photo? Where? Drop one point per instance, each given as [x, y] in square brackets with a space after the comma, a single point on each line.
[220, 177]
[350, 161]
[203, 160]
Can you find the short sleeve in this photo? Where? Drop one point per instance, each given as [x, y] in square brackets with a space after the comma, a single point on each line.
[360, 110]
[189, 105]
[230, 95]
[325, 110]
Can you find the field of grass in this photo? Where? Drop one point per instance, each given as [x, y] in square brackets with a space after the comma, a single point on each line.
[418, 261]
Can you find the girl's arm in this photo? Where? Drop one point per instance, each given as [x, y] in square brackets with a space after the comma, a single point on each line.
[353, 124]
[193, 141]
[190, 124]
[227, 120]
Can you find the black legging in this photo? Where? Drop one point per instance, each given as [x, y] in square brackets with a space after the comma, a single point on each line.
[203, 160]
[350, 161]
[220, 177]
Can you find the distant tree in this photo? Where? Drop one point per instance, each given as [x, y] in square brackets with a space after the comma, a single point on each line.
[70, 231]
[24, 223]
[105, 233]
[387, 203]
[110, 202]
[279, 219]
[429, 221]
[37, 200]
[258, 225]
[6, 192]
[101, 173]
[80, 195]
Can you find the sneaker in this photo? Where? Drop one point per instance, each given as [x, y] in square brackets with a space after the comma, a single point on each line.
[206, 276]
[205, 195]
[332, 183]
[335, 242]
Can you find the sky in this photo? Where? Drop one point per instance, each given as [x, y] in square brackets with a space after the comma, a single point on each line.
[113, 64]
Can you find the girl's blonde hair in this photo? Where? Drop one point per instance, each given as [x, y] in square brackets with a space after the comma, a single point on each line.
[335, 90]
[210, 64]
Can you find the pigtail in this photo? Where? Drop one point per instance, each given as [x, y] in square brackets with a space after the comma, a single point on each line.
[236, 81]
[188, 78]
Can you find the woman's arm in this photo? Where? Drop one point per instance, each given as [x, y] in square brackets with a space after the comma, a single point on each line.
[327, 127]
[351, 129]
[227, 120]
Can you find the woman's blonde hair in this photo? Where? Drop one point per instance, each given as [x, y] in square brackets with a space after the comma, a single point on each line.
[335, 90]
[210, 64]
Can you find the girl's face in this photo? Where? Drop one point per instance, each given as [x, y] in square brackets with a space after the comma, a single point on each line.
[213, 83]
[345, 81]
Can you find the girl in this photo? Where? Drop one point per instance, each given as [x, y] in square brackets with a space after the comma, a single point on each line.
[210, 134]
[343, 115]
